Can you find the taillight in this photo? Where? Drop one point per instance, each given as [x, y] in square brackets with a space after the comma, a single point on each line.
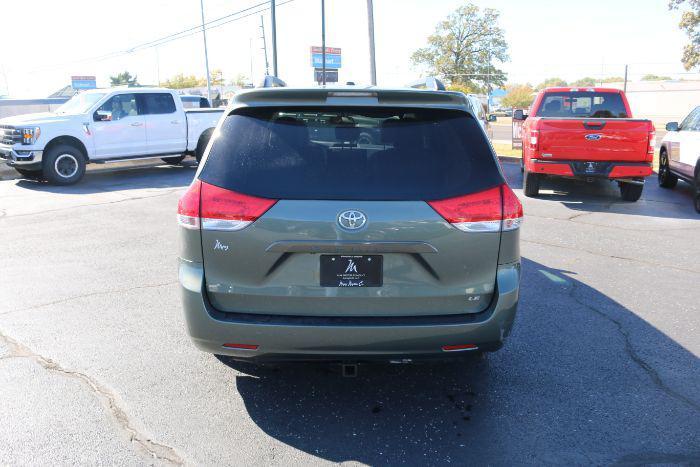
[188, 206]
[512, 209]
[652, 145]
[490, 210]
[215, 208]
[534, 139]
[223, 209]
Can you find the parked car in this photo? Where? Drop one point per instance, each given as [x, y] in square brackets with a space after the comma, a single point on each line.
[586, 133]
[301, 241]
[190, 101]
[105, 125]
[679, 156]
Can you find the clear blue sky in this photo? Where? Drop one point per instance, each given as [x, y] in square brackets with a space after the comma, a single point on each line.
[546, 38]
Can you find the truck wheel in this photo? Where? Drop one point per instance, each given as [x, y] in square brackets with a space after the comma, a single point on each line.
[531, 184]
[63, 165]
[30, 174]
[666, 178]
[631, 191]
[173, 160]
[202, 145]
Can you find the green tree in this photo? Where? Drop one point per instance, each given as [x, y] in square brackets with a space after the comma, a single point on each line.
[613, 79]
[466, 89]
[550, 83]
[690, 23]
[587, 81]
[180, 81]
[463, 48]
[123, 78]
[519, 96]
[651, 77]
[240, 80]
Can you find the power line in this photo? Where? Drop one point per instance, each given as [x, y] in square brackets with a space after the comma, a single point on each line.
[171, 37]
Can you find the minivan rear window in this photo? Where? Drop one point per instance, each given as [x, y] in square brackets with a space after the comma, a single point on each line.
[582, 104]
[351, 154]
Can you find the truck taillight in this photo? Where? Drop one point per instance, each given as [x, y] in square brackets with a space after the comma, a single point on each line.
[652, 146]
[490, 210]
[534, 139]
[213, 208]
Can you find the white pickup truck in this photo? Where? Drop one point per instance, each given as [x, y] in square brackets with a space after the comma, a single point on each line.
[105, 125]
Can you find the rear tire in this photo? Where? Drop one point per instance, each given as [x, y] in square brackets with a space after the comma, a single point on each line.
[665, 177]
[173, 160]
[531, 184]
[63, 165]
[202, 145]
[631, 191]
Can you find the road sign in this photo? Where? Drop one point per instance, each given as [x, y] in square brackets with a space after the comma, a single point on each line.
[333, 57]
[83, 82]
[331, 75]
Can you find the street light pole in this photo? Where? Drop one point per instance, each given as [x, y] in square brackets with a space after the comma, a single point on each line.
[206, 54]
[323, 41]
[370, 25]
[274, 38]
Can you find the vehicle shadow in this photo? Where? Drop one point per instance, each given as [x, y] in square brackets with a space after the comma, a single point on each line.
[604, 196]
[572, 385]
[119, 177]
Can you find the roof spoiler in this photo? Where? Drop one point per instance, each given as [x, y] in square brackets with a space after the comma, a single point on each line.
[272, 82]
[430, 83]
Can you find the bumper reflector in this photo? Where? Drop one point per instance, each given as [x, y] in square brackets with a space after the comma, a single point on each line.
[241, 346]
[460, 347]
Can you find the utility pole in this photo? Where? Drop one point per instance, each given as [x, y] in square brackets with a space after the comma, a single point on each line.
[323, 40]
[157, 65]
[625, 86]
[370, 25]
[206, 54]
[274, 38]
[267, 64]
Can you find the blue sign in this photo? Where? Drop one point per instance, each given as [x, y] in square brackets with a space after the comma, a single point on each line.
[83, 82]
[332, 61]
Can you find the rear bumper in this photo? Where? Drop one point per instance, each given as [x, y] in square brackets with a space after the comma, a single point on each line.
[281, 338]
[590, 169]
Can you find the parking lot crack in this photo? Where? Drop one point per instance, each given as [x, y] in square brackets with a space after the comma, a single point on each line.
[632, 353]
[91, 294]
[152, 449]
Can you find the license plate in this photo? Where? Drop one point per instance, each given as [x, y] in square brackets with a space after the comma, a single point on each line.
[351, 271]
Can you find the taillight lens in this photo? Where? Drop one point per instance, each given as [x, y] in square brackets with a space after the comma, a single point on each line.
[652, 145]
[512, 209]
[227, 210]
[534, 139]
[490, 210]
[188, 206]
[215, 208]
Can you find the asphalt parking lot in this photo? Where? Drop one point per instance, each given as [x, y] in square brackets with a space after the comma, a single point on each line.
[95, 365]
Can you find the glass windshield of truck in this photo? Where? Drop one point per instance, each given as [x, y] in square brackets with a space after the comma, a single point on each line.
[582, 105]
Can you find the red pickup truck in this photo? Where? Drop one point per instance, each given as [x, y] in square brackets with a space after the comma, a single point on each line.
[585, 133]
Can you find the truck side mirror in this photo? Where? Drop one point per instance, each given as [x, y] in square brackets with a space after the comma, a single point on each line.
[102, 116]
[518, 115]
[493, 118]
[672, 126]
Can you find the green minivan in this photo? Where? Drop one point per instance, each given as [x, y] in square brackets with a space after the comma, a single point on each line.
[347, 225]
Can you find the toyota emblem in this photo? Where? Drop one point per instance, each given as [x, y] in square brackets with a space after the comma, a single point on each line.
[352, 220]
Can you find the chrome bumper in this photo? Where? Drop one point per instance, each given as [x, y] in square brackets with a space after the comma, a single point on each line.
[19, 157]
